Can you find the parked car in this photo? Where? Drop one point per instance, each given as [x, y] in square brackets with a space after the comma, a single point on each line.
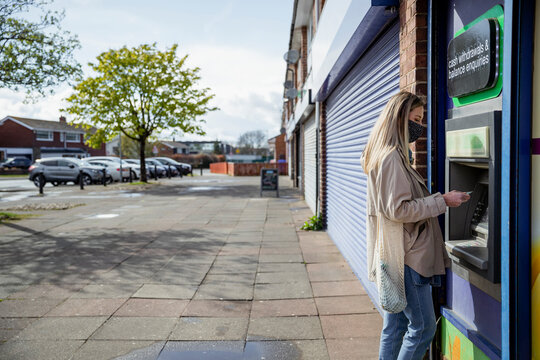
[59, 170]
[17, 162]
[154, 165]
[183, 168]
[111, 166]
[137, 163]
[135, 170]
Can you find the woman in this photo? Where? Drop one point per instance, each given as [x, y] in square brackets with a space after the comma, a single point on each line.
[405, 244]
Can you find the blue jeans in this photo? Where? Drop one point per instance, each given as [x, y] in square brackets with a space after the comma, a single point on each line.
[407, 335]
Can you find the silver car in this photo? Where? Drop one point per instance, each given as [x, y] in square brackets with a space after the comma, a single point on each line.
[59, 170]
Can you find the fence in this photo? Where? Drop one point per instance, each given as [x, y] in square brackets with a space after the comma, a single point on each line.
[239, 169]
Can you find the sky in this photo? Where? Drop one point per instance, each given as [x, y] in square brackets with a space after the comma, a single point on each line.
[238, 44]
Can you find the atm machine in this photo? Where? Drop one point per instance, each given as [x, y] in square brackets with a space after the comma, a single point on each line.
[472, 231]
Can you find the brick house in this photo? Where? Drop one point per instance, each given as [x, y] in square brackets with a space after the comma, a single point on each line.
[168, 148]
[35, 139]
[278, 148]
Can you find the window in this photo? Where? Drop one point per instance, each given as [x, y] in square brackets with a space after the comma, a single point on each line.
[72, 137]
[49, 163]
[44, 135]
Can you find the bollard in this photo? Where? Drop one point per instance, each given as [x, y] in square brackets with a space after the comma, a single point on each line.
[81, 181]
[41, 183]
[155, 172]
[201, 170]
[169, 171]
[104, 177]
[130, 176]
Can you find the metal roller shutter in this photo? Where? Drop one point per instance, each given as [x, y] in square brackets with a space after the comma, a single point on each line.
[351, 111]
[310, 163]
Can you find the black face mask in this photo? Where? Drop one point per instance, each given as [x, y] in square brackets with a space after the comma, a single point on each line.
[415, 130]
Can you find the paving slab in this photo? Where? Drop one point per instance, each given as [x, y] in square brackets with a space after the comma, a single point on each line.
[62, 328]
[225, 291]
[107, 349]
[278, 308]
[350, 348]
[107, 291]
[218, 308]
[86, 307]
[247, 278]
[293, 290]
[337, 288]
[281, 267]
[160, 291]
[135, 328]
[205, 328]
[152, 308]
[281, 258]
[39, 349]
[27, 308]
[285, 328]
[342, 305]
[281, 277]
[351, 326]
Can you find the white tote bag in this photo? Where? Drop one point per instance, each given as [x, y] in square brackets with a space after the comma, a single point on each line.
[390, 265]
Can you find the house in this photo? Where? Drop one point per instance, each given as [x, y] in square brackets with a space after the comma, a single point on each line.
[278, 148]
[168, 148]
[36, 139]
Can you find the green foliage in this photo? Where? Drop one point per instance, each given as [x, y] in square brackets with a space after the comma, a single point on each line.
[35, 55]
[314, 223]
[140, 92]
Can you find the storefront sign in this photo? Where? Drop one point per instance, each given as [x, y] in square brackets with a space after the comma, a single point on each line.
[473, 59]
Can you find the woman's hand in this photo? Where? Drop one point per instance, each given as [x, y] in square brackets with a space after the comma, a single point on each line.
[455, 198]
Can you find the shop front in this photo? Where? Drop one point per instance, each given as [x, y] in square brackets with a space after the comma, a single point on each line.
[479, 111]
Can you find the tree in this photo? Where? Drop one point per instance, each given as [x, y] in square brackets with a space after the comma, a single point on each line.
[253, 142]
[217, 148]
[35, 55]
[140, 92]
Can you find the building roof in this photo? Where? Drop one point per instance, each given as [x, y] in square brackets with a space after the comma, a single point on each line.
[36, 124]
[174, 144]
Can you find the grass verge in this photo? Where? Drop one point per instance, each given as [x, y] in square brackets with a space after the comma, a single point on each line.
[7, 216]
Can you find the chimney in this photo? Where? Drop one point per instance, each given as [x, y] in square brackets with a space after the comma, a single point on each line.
[63, 119]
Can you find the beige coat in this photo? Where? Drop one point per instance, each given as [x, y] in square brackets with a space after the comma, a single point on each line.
[401, 198]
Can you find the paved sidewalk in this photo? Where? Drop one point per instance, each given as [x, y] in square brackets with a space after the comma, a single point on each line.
[196, 268]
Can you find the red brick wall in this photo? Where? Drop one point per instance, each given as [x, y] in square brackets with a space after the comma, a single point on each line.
[15, 135]
[252, 169]
[413, 63]
[281, 148]
[218, 168]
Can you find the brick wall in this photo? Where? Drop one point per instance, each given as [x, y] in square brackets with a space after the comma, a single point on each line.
[252, 169]
[413, 64]
[280, 150]
[15, 135]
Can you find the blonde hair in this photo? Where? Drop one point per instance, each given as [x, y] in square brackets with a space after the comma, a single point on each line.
[391, 131]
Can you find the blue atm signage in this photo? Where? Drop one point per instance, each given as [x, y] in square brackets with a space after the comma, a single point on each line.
[473, 59]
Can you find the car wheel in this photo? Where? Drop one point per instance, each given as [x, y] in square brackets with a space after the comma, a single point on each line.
[134, 175]
[110, 180]
[55, 183]
[38, 179]
[87, 180]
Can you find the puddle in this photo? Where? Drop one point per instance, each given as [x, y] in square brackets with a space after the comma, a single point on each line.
[103, 216]
[230, 350]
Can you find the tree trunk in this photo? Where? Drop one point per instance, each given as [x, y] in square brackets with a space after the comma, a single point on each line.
[142, 158]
